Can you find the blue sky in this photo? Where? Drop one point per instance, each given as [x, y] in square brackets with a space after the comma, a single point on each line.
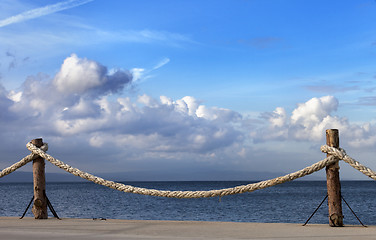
[200, 86]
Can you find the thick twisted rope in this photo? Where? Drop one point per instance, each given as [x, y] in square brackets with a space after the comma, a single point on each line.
[22, 162]
[341, 154]
[183, 194]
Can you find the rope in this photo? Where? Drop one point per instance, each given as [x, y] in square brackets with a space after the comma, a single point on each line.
[341, 154]
[184, 194]
[335, 154]
[22, 162]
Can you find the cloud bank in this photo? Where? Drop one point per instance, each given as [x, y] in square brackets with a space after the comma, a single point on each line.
[83, 101]
[88, 108]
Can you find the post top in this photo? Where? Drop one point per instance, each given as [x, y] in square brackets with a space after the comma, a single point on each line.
[37, 142]
[332, 138]
[332, 130]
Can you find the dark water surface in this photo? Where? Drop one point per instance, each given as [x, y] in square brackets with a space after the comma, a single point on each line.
[291, 202]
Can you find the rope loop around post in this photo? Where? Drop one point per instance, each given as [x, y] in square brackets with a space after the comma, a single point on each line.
[336, 152]
[342, 155]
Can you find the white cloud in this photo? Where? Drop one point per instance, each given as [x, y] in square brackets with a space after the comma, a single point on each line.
[165, 100]
[83, 76]
[190, 104]
[279, 117]
[77, 75]
[147, 101]
[15, 96]
[309, 121]
[313, 111]
[42, 11]
[82, 109]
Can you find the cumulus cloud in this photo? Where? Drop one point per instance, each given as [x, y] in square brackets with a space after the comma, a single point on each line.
[309, 120]
[312, 111]
[168, 126]
[43, 104]
[79, 102]
[83, 76]
[77, 76]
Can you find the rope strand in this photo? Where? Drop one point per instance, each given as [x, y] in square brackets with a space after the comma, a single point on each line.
[22, 162]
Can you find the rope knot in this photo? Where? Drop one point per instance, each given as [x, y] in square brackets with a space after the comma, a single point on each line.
[336, 152]
[31, 147]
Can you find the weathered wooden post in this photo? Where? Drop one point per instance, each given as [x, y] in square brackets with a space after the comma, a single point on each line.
[333, 183]
[40, 202]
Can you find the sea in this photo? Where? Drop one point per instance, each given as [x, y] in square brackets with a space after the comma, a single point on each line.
[292, 202]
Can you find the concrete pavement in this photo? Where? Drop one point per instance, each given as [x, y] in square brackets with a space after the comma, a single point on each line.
[12, 228]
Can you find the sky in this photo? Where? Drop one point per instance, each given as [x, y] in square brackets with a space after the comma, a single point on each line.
[188, 90]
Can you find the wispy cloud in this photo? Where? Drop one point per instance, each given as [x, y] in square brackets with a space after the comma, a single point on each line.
[42, 11]
[161, 63]
[141, 74]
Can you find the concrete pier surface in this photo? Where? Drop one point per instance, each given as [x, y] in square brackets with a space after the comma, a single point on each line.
[12, 228]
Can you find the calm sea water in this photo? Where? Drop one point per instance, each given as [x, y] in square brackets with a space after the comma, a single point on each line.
[291, 202]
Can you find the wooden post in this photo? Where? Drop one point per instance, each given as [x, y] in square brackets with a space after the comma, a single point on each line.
[333, 183]
[40, 202]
